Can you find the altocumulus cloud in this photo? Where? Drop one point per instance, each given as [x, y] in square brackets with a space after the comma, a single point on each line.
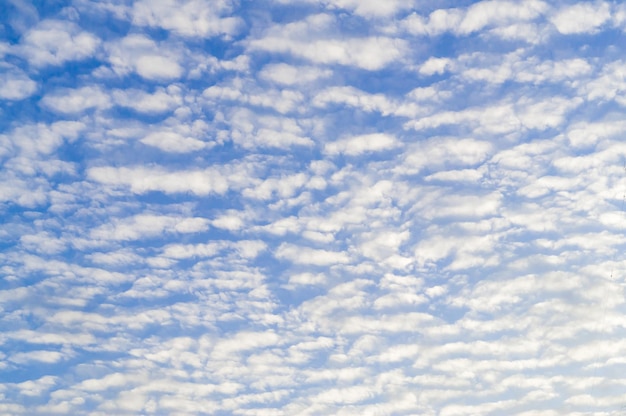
[315, 207]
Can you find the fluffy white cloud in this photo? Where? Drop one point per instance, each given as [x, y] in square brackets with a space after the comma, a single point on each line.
[250, 130]
[371, 8]
[72, 101]
[34, 141]
[371, 53]
[161, 101]
[434, 66]
[148, 225]
[305, 40]
[444, 152]
[358, 145]
[140, 54]
[284, 101]
[306, 255]
[54, 42]
[188, 18]
[173, 142]
[364, 8]
[289, 75]
[581, 17]
[353, 97]
[500, 13]
[16, 85]
[142, 180]
[478, 16]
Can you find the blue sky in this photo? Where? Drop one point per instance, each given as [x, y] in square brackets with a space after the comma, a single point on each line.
[312, 207]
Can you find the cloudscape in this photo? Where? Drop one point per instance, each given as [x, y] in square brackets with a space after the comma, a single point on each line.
[312, 207]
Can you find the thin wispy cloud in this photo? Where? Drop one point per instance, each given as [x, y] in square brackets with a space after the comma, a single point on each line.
[314, 207]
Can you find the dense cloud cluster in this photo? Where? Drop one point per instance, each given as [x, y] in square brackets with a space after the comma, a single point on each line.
[312, 207]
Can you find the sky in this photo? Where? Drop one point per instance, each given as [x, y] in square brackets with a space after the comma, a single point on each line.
[312, 207]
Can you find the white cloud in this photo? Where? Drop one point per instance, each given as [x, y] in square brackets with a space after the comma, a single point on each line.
[371, 8]
[161, 101]
[355, 98]
[546, 114]
[283, 187]
[370, 53]
[231, 221]
[465, 206]
[43, 242]
[210, 64]
[39, 356]
[140, 54]
[250, 130]
[381, 244]
[141, 180]
[291, 75]
[72, 101]
[115, 258]
[608, 85]
[21, 15]
[307, 279]
[439, 152]
[434, 66]
[16, 85]
[179, 251]
[504, 117]
[108, 381]
[586, 135]
[438, 22]
[528, 32]
[173, 142]
[462, 175]
[514, 66]
[35, 388]
[306, 255]
[480, 15]
[583, 17]
[283, 101]
[54, 42]
[188, 18]
[35, 140]
[500, 13]
[157, 67]
[358, 145]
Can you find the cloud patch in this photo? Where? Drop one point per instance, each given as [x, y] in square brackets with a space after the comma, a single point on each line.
[16, 85]
[312, 207]
[358, 145]
[139, 54]
[54, 42]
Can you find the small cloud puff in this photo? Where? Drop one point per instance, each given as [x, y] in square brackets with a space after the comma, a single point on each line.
[310, 256]
[54, 42]
[581, 18]
[161, 101]
[172, 142]
[74, 101]
[15, 84]
[143, 179]
[434, 66]
[150, 60]
[291, 75]
[478, 16]
[310, 41]
[190, 18]
[358, 145]
[148, 225]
